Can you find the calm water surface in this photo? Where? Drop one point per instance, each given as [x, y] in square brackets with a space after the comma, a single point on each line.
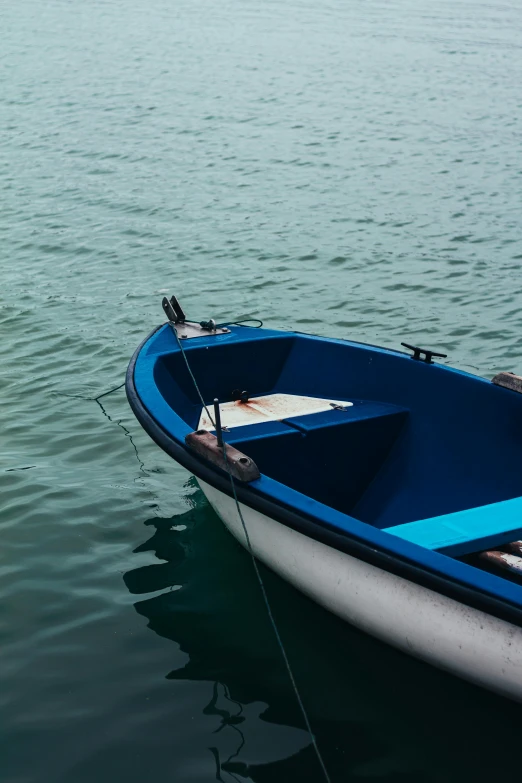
[351, 168]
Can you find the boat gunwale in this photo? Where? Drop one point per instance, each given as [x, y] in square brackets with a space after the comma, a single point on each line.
[400, 564]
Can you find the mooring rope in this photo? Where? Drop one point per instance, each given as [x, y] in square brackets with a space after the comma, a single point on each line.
[243, 322]
[258, 572]
[92, 399]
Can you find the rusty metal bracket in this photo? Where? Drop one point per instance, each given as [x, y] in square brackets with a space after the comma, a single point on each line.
[242, 396]
[237, 464]
[187, 330]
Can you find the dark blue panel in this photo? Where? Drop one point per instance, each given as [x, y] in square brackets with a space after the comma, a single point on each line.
[332, 457]
[463, 443]
[251, 365]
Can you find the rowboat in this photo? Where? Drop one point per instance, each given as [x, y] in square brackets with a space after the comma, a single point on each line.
[383, 485]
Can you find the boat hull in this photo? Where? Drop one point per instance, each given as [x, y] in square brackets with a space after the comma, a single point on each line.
[460, 639]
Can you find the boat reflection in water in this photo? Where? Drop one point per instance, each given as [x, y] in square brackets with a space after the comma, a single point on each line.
[376, 713]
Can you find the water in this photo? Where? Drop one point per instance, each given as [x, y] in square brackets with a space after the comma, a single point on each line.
[348, 168]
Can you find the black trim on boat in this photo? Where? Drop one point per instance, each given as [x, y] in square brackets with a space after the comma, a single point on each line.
[299, 522]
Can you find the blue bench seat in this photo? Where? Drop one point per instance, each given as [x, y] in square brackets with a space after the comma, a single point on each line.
[253, 432]
[360, 411]
[465, 532]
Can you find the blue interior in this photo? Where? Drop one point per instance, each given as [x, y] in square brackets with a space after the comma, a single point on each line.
[420, 442]
[331, 456]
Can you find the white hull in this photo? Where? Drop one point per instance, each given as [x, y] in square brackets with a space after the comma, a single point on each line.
[437, 629]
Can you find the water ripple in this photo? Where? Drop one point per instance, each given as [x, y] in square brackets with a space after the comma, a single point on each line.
[350, 168]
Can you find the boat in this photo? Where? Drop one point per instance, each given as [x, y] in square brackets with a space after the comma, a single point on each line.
[384, 485]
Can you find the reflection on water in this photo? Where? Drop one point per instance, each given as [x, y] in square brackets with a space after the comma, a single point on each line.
[376, 713]
[211, 608]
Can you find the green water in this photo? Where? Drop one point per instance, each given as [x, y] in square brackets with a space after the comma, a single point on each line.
[351, 168]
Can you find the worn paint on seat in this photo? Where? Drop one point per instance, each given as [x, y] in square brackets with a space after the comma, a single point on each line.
[270, 407]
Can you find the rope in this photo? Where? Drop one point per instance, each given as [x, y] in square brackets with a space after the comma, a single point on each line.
[242, 322]
[92, 399]
[258, 574]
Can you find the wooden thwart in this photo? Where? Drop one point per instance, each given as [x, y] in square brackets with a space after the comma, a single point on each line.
[236, 463]
[509, 381]
[503, 560]
[515, 547]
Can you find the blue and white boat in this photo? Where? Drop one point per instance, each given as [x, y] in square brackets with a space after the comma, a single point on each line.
[386, 487]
